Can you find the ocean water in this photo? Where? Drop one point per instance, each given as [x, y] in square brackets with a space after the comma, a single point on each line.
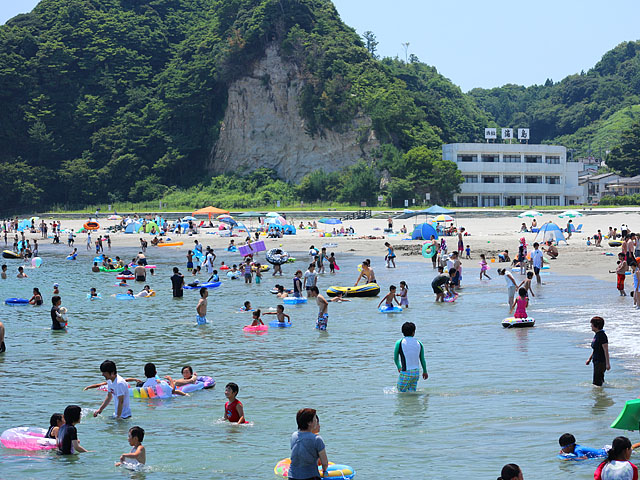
[493, 396]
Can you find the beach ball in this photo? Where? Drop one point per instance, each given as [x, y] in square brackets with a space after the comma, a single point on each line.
[36, 262]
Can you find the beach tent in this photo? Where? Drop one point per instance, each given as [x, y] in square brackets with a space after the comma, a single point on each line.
[423, 231]
[286, 229]
[550, 231]
[133, 227]
[149, 226]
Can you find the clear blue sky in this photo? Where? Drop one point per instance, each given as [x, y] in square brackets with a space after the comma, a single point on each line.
[484, 44]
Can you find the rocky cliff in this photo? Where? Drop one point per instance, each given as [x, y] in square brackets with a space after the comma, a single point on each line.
[263, 127]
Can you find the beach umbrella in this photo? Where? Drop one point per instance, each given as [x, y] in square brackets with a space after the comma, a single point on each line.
[570, 214]
[276, 221]
[189, 218]
[228, 219]
[550, 231]
[272, 214]
[443, 218]
[530, 214]
[114, 217]
[251, 215]
[330, 221]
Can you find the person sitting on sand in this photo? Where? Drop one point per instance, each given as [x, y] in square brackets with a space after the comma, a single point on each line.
[551, 250]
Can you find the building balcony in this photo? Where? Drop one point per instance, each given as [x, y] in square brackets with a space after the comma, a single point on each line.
[481, 168]
[513, 189]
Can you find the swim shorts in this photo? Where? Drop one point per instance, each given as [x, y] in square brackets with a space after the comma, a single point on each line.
[408, 380]
[321, 323]
[201, 320]
[620, 283]
[536, 270]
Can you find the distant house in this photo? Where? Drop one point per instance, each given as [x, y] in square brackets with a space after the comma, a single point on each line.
[595, 185]
[623, 186]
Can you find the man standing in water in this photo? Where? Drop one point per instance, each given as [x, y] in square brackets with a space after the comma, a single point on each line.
[201, 308]
[177, 282]
[409, 356]
[323, 306]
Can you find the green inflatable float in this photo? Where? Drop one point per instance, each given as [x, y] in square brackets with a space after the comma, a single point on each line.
[629, 418]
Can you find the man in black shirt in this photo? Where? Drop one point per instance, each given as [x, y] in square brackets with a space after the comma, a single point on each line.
[177, 282]
[57, 322]
[600, 355]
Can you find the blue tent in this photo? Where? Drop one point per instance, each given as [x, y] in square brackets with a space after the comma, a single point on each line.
[132, 227]
[286, 229]
[550, 231]
[435, 210]
[423, 231]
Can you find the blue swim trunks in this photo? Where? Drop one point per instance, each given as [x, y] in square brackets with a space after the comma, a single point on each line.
[201, 320]
[408, 380]
[321, 323]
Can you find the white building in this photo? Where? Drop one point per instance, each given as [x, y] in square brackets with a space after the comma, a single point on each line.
[514, 174]
[595, 185]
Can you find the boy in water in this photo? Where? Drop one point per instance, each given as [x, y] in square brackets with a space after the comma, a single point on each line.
[620, 272]
[280, 315]
[408, 356]
[233, 409]
[440, 284]
[138, 455]
[201, 308]
[323, 306]
[526, 284]
[389, 298]
[572, 451]
[67, 440]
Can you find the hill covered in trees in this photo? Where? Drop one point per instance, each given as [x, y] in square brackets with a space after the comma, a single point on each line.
[115, 100]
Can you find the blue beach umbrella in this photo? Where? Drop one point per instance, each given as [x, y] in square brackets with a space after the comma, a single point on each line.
[330, 221]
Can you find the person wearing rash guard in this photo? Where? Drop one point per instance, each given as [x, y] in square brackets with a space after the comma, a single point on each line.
[570, 450]
[409, 356]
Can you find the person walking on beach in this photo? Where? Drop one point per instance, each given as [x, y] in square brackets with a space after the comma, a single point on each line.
[408, 356]
[600, 355]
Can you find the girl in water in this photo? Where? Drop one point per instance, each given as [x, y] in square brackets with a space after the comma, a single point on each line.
[256, 319]
[522, 302]
[391, 256]
[404, 290]
[37, 297]
[483, 267]
[617, 465]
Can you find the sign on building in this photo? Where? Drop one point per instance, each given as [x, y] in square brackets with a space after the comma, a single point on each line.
[490, 133]
[507, 133]
[380, 198]
[523, 134]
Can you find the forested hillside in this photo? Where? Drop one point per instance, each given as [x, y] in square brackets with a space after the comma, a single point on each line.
[587, 111]
[113, 100]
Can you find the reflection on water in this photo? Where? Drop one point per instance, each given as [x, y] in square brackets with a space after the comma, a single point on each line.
[506, 394]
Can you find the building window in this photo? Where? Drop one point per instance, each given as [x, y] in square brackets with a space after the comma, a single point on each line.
[533, 159]
[554, 201]
[511, 158]
[512, 179]
[552, 160]
[490, 201]
[467, 158]
[553, 181]
[532, 200]
[509, 201]
[490, 158]
[467, 201]
[532, 179]
[490, 179]
[470, 178]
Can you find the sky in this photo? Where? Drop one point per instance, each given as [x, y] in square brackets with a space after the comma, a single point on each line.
[484, 44]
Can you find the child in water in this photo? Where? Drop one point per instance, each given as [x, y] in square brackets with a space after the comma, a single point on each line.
[522, 302]
[280, 315]
[332, 263]
[483, 267]
[138, 455]
[570, 450]
[389, 298]
[256, 319]
[404, 291]
[258, 273]
[246, 307]
[233, 409]
[467, 252]
[526, 284]
[55, 422]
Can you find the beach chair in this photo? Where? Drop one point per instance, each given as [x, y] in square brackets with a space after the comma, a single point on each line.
[578, 229]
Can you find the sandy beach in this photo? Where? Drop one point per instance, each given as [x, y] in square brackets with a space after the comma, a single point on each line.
[488, 234]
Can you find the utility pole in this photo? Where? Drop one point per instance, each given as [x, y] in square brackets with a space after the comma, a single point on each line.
[406, 51]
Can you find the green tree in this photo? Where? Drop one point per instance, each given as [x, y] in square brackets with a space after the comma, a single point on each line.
[625, 158]
[371, 43]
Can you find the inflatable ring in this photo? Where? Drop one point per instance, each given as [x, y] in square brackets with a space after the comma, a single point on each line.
[293, 300]
[112, 270]
[91, 226]
[334, 471]
[232, 249]
[16, 301]
[225, 267]
[615, 243]
[429, 250]
[125, 277]
[263, 268]
[393, 309]
[72, 257]
[170, 244]
[277, 324]
[27, 438]
[202, 285]
[125, 296]
[277, 256]
[513, 322]
[234, 275]
[256, 328]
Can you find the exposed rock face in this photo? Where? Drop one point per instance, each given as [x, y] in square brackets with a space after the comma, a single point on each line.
[263, 128]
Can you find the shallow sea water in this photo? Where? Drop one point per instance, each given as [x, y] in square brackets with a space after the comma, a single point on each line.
[493, 396]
